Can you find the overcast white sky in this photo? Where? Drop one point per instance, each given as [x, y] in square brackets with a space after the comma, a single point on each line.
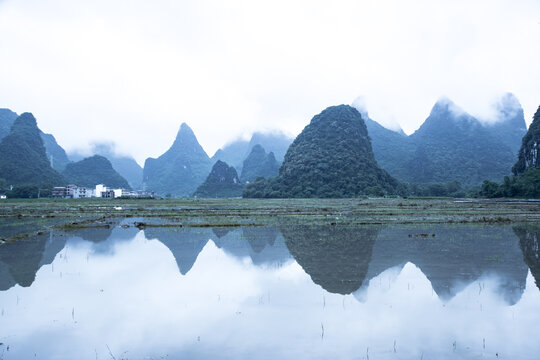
[132, 71]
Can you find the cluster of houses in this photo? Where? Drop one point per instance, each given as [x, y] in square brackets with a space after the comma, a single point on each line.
[100, 191]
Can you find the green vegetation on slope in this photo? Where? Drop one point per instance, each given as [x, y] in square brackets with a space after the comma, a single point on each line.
[55, 153]
[23, 160]
[332, 157]
[452, 145]
[526, 185]
[222, 181]
[125, 165]
[92, 171]
[526, 181]
[530, 148]
[391, 149]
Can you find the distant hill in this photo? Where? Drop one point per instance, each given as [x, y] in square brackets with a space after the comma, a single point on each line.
[129, 169]
[526, 180]
[92, 171]
[181, 169]
[236, 152]
[275, 142]
[55, 153]
[259, 164]
[391, 149]
[23, 159]
[452, 145]
[332, 157]
[512, 127]
[233, 153]
[125, 165]
[222, 182]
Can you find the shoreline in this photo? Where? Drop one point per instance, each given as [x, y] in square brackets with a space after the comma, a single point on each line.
[22, 218]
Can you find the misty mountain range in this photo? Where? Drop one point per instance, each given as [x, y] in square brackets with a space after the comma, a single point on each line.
[450, 145]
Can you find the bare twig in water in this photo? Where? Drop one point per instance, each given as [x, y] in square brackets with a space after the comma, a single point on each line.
[322, 331]
[110, 352]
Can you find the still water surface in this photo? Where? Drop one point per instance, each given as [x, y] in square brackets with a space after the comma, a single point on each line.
[326, 292]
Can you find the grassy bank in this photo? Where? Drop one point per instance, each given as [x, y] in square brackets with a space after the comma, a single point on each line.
[19, 217]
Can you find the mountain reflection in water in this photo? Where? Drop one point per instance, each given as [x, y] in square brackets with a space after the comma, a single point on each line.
[529, 237]
[269, 292]
[336, 257]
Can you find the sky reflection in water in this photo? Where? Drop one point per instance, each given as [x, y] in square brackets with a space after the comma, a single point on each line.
[293, 293]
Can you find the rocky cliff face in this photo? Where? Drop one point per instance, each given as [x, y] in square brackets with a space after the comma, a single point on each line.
[530, 146]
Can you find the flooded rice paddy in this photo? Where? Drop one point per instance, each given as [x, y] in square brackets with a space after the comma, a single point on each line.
[436, 291]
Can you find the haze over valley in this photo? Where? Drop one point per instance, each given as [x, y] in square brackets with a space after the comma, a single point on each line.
[451, 147]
